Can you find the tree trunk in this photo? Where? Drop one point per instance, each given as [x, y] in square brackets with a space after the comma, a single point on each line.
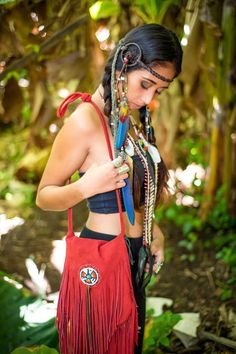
[220, 164]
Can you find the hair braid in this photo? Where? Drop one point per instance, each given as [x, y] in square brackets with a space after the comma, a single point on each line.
[106, 83]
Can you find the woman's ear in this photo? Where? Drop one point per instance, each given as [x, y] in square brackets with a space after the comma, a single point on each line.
[118, 72]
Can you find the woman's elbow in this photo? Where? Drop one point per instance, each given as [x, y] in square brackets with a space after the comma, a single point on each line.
[46, 202]
[39, 202]
[42, 199]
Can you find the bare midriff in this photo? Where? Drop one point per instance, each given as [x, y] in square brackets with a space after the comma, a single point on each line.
[110, 224]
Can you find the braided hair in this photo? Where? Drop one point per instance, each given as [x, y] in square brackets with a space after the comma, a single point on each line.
[158, 45]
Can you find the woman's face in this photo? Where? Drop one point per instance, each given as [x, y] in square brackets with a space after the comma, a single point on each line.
[143, 86]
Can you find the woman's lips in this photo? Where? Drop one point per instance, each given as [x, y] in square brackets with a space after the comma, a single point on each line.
[135, 105]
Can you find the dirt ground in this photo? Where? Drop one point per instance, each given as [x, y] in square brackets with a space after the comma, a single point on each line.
[194, 287]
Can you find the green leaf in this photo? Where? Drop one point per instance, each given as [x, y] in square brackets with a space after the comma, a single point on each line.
[165, 342]
[153, 10]
[3, 2]
[43, 349]
[34, 47]
[104, 9]
[171, 213]
[160, 328]
[226, 294]
[187, 227]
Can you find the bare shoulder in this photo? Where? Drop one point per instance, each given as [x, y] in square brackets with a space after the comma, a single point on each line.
[71, 146]
[85, 118]
[80, 127]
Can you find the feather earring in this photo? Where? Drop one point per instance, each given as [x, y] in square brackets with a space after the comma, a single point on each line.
[123, 124]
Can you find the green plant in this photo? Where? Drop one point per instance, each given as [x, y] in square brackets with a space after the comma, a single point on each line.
[158, 330]
[189, 245]
[219, 217]
[189, 225]
[43, 349]
[153, 10]
[14, 302]
[216, 232]
[17, 74]
[103, 9]
[192, 150]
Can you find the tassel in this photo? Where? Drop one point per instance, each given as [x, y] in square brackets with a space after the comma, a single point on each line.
[88, 313]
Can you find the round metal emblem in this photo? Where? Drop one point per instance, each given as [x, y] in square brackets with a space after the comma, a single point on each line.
[89, 276]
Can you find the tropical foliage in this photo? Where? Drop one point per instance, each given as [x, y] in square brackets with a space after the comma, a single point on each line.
[16, 302]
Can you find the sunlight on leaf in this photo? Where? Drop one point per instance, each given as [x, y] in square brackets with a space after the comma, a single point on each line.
[153, 10]
[104, 9]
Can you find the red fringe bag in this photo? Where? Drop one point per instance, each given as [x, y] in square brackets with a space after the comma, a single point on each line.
[96, 311]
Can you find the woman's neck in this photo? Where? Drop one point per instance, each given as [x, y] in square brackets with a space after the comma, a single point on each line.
[97, 98]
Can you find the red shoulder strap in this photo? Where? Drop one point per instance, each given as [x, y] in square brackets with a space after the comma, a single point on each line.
[85, 97]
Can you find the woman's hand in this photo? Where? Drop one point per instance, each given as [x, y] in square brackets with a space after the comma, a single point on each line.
[100, 178]
[157, 248]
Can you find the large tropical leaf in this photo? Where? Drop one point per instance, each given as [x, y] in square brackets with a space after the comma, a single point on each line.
[14, 330]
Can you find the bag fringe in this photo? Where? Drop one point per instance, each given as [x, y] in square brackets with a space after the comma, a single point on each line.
[112, 325]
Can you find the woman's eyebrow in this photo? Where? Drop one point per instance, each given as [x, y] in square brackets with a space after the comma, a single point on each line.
[153, 82]
[146, 78]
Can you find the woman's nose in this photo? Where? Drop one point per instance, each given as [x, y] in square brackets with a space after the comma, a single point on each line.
[148, 97]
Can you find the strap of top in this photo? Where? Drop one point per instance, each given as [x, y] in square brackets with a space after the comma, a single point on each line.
[85, 97]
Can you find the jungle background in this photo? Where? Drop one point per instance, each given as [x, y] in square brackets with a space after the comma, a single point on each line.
[51, 48]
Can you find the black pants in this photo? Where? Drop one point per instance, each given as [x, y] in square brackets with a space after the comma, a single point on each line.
[133, 245]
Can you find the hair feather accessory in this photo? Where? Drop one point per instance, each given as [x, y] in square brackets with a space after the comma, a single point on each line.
[120, 127]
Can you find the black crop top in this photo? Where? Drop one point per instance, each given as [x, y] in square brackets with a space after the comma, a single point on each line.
[103, 203]
[106, 203]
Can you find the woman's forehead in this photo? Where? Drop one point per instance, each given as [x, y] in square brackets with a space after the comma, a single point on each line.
[167, 71]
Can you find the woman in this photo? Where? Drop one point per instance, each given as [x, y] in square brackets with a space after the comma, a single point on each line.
[142, 65]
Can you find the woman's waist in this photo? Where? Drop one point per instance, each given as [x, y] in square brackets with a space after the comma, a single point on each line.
[110, 224]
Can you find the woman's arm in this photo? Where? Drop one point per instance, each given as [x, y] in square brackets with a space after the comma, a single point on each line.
[70, 150]
[157, 245]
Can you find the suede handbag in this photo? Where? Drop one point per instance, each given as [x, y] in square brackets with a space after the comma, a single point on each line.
[97, 312]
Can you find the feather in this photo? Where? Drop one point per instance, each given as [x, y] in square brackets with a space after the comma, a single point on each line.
[121, 133]
[128, 201]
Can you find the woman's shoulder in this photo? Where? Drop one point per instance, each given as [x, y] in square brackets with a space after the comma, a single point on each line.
[80, 125]
[84, 118]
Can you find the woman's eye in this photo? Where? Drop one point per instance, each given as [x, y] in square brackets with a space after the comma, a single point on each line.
[158, 92]
[145, 85]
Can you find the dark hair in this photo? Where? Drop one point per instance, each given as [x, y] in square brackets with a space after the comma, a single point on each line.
[158, 45]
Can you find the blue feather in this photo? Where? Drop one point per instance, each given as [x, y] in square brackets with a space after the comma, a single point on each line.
[121, 133]
[128, 201]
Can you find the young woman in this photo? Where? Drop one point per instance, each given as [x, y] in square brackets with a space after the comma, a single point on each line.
[112, 152]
